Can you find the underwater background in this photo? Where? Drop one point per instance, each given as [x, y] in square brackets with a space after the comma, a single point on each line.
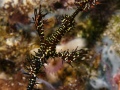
[97, 29]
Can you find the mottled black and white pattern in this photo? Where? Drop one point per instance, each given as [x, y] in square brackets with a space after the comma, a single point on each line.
[48, 45]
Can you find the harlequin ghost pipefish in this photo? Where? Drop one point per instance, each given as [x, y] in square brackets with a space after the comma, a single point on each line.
[48, 45]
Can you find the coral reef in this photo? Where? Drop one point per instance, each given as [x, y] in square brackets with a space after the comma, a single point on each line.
[55, 44]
